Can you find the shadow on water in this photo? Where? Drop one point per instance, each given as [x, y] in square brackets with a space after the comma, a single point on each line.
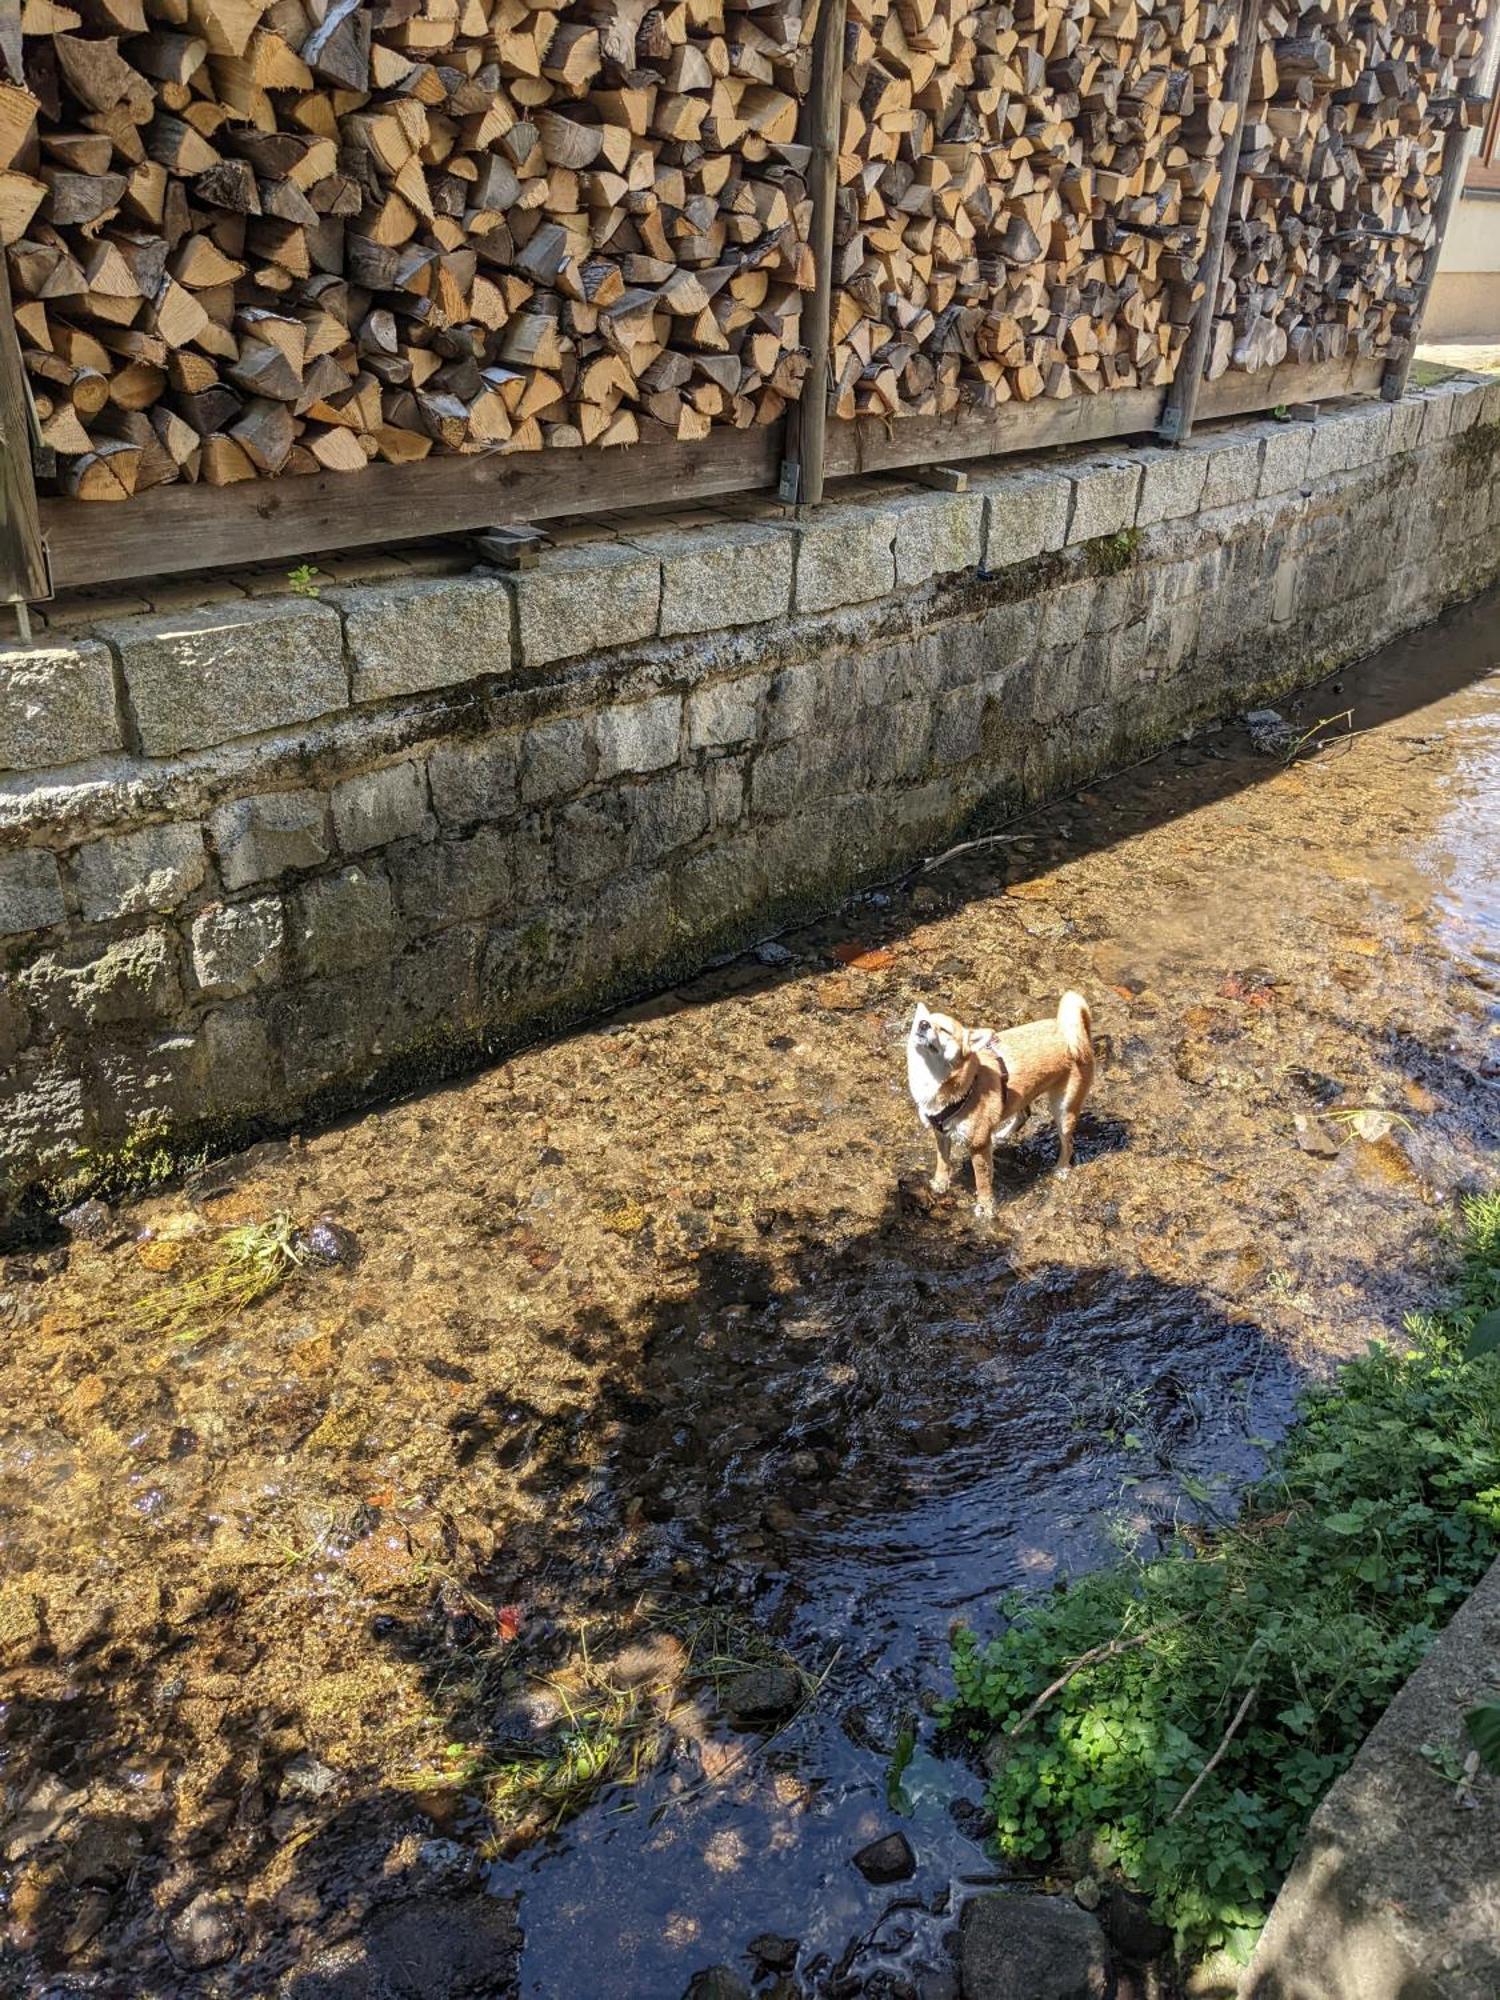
[661, 1320]
[847, 1443]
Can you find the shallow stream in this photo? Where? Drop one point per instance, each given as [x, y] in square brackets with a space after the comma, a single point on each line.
[652, 1341]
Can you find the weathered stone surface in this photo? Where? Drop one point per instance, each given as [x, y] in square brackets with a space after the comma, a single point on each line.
[197, 678]
[1171, 485]
[1406, 424]
[846, 557]
[1026, 513]
[343, 921]
[490, 872]
[725, 714]
[1104, 498]
[585, 599]
[1283, 465]
[31, 894]
[667, 814]
[590, 838]
[719, 1982]
[1232, 476]
[641, 737]
[733, 573]
[206, 1933]
[1020, 1947]
[1396, 1891]
[937, 534]
[260, 837]
[57, 705]
[239, 945]
[380, 806]
[475, 780]
[82, 987]
[424, 633]
[557, 758]
[130, 873]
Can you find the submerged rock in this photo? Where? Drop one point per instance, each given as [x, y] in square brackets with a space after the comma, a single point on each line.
[777, 1954]
[1019, 1947]
[720, 1982]
[888, 1859]
[1270, 732]
[762, 1694]
[205, 1933]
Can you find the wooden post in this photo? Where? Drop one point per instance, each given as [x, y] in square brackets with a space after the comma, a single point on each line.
[802, 475]
[1178, 411]
[1455, 160]
[23, 557]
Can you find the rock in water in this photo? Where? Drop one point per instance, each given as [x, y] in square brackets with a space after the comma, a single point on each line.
[777, 1954]
[205, 1933]
[888, 1859]
[720, 1982]
[762, 1694]
[1270, 732]
[1018, 1947]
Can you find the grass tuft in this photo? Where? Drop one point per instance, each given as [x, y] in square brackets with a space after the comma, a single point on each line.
[1185, 1713]
[247, 1264]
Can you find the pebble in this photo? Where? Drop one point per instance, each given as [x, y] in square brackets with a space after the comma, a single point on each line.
[888, 1859]
[205, 1933]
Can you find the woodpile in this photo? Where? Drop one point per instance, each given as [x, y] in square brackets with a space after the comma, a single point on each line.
[1341, 160]
[259, 237]
[1024, 196]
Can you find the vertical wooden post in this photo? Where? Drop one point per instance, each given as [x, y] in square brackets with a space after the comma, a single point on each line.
[802, 475]
[1176, 422]
[23, 559]
[1455, 160]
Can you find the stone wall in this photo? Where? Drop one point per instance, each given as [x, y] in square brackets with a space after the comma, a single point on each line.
[262, 854]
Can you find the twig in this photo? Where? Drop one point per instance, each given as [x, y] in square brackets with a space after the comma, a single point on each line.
[1345, 715]
[966, 846]
[1224, 1740]
[1090, 1659]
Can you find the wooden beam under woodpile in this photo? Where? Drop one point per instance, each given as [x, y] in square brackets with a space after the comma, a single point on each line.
[1333, 232]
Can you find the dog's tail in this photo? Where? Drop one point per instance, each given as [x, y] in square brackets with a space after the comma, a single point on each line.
[1074, 1024]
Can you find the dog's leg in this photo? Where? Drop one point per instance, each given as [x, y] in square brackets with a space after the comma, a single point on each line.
[984, 1182]
[942, 1173]
[1066, 1105]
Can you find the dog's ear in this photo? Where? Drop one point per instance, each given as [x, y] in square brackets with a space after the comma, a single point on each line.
[982, 1038]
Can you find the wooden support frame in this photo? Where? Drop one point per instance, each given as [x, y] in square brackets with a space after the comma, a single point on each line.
[807, 427]
[177, 528]
[1455, 160]
[24, 575]
[1181, 406]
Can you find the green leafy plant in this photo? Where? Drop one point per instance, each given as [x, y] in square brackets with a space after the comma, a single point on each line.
[1187, 1712]
[243, 1266]
[303, 580]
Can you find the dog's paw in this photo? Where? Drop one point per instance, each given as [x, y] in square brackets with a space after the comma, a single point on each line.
[940, 1183]
[984, 1211]
[1061, 1173]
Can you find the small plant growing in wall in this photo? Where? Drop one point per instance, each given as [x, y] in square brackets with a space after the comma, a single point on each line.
[303, 580]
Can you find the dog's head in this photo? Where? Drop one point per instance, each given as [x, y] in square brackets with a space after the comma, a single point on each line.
[944, 1041]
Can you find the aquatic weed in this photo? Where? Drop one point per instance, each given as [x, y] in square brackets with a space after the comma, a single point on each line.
[1189, 1710]
[248, 1263]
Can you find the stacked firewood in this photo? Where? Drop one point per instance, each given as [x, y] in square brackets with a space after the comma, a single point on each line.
[251, 237]
[1333, 224]
[1024, 196]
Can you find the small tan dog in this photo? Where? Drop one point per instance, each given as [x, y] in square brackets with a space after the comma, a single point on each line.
[974, 1088]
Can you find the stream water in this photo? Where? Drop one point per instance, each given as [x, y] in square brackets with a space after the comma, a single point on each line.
[652, 1342]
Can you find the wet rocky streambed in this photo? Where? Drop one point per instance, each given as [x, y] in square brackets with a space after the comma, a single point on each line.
[637, 1413]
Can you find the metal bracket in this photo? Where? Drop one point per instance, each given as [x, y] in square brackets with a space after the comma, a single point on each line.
[789, 483]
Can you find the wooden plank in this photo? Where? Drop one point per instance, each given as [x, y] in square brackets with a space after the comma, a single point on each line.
[1181, 404]
[868, 445]
[807, 427]
[1455, 159]
[174, 528]
[23, 561]
[1243, 391]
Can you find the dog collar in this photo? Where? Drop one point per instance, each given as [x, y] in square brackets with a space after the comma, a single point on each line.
[950, 1114]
